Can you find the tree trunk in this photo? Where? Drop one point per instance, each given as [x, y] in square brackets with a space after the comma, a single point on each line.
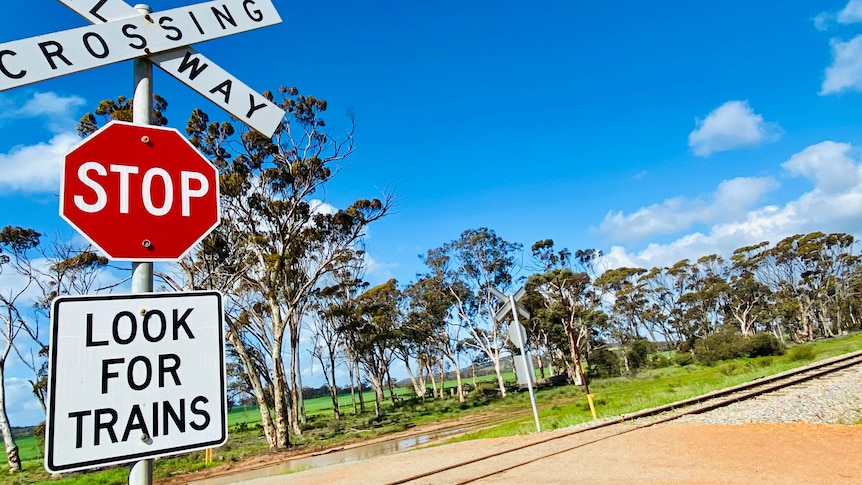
[499, 372]
[450, 354]
[377, 385]
[257, 386]
[419, 391]
[541, 364]
[442, 379]
[295, 386]
[433, 381]
[300, 397]
[333, 389]
[391, 388]
[359, 386]
[280, 395]
[460, 388]
[12, 457]
[574, 374]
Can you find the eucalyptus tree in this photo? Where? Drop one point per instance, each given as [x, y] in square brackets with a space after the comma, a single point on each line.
[378, 324]
[702, 303]
[835, 258]
[661, 299]
[566, 298]
[748, 301]
[429, 316]
[120, 110]
[16, 246]
[801, 270]
[336, 306]
[283, 237]
[468, 268]
[272, 192]
[40, 271]
[622, 286]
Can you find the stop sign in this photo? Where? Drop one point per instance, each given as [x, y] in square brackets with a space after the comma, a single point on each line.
[139, 193]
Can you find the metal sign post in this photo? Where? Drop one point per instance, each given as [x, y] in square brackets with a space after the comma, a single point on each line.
[519, 342]
[141, 472]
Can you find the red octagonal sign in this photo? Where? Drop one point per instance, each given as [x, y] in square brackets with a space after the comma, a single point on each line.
[139, 193]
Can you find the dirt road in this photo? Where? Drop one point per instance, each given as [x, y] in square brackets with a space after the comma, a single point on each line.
[662, 454]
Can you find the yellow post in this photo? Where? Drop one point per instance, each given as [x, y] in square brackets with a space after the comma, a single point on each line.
[592, 406]
[208, 456]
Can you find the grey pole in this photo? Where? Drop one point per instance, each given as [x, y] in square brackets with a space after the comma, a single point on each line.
[141, 472]
[526, 365]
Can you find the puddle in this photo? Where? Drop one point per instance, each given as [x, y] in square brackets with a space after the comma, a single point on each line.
[341, 456]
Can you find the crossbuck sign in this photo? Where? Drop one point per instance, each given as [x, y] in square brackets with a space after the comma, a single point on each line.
[122, 33]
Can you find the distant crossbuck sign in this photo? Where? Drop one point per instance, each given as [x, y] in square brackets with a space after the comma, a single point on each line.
[125, 34]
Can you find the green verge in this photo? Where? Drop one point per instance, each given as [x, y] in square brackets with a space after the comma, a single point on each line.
[559, 407]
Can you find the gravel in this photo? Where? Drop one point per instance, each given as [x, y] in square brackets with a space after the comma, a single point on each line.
[833, 400]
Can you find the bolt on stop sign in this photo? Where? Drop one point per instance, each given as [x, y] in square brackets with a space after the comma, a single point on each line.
[139, 193]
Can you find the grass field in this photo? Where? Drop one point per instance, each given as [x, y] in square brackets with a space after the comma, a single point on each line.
[558, 407]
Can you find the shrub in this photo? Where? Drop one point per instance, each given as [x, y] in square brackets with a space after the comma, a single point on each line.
[603, 363]
[683, 358]
[716, 347]
[658, 361]
[638, 355]
[801, 352]
[762, 345]
[726, 345]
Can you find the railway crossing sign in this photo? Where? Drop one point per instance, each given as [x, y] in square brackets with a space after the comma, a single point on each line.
[508, 303]
[139, 193]
[518, 336]
[164, 37]
[134, 377]
[197, 71]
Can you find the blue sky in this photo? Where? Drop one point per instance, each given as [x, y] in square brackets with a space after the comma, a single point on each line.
[653, 131]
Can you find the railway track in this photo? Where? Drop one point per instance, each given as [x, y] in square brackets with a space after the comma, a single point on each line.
[538, 448]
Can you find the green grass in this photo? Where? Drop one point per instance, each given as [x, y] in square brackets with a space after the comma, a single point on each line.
[29, 448]
[559, 407]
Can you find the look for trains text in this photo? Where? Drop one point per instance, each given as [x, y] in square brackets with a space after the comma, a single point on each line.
[139, 373]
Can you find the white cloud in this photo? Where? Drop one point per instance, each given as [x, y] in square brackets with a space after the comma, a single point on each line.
[23, 407]
[851, 13]
[321, 207]
[36, 168]
[379, 272]
[845, 72]
[732, 125]
[822, 21]
[731, 199]
[830, 206]
[59, 112]
[826, 164]
[50, 104]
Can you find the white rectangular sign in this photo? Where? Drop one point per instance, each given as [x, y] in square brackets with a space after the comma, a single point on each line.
[524, 369]
[195, 70]
[52, 55]
[134, 377]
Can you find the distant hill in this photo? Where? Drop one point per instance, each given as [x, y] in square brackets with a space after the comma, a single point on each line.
[23, 432]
